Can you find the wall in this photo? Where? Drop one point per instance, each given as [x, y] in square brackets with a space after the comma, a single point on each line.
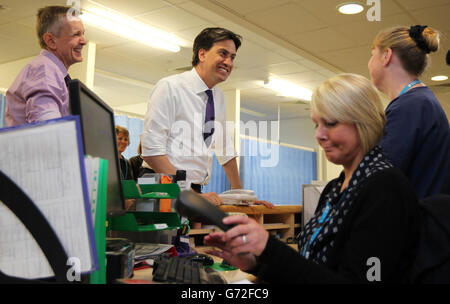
[9, 71]
[298, 131]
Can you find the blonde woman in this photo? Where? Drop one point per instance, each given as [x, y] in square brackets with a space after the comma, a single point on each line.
[367, 216]
[417, 135]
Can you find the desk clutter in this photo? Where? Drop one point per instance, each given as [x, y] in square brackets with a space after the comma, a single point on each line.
[165, 263]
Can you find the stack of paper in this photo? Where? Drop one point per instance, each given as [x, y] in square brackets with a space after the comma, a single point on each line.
[144, 251]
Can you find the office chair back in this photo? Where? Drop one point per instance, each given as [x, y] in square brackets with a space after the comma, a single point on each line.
[432, 263]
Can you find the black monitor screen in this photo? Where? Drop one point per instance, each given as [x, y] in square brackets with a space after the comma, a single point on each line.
[99, 139]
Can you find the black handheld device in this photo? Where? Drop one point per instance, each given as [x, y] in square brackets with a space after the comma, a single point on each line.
[190, 204]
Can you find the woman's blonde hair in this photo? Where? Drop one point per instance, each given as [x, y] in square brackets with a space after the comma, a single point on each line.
[352, 98]
[413, 54]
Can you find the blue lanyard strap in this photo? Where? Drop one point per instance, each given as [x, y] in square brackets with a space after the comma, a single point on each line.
[408, 86]
[324, 218]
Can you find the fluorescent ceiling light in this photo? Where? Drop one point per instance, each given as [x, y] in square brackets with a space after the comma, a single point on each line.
[131, 29]
[439, 78]
[288, 89]
[350, 8]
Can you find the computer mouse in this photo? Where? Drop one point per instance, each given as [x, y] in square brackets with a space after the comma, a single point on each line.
[204, 259]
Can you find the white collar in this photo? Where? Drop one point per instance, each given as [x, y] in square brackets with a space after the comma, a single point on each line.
[198, 85]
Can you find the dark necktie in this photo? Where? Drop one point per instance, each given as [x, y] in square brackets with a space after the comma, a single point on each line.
[208, 131]
[67, 79]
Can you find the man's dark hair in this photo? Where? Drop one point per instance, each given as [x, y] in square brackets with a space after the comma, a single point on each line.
[49, 19]
[206, 39]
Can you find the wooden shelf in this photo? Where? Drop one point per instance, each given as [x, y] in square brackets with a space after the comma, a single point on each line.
[201, 231]
[280, 218]
[276, 226]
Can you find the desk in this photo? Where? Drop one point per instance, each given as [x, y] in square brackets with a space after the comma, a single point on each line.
[279, 218]
[229, 276]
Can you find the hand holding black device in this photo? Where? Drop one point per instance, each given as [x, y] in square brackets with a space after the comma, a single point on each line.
[190, 204]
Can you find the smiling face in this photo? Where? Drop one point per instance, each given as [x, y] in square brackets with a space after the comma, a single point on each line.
[122, 142]
[339, 140]
[217, 63]
[67, 46]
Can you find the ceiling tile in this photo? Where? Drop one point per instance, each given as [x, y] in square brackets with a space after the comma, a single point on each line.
[326, 12]
[198, 11]
[4, 19]
[13, 50]
[436, 17]
[29, 21]
[419, 4]
[135, 69]
[389, 8]
[23, 8]
[285, 68]
[364, 33]
[285, 20]
[190, 33]
[103, 39]
[256, 56]
[130, 7]
[136, 51]
[326, 73]
[360, 69]
[245, 7]
[171, 19]
[344, 59]
[18, 32]
[310, 65]
[322, 40]
[300, 78]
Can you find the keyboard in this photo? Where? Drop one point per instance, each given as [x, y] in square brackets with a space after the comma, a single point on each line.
[183, 271]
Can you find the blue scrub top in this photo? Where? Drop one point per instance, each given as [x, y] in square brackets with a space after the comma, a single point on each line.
[417, 140]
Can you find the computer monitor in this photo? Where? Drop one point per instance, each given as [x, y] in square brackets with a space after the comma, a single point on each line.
[99, 139]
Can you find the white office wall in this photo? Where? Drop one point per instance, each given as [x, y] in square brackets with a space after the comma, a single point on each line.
[299, 132]
[295, 131]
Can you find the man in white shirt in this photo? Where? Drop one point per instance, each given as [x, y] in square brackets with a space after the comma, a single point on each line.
[186, 120]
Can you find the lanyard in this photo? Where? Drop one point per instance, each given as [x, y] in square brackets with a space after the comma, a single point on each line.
[324, 218]
[408, 86]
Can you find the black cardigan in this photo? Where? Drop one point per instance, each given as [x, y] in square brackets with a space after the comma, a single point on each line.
[383, 223]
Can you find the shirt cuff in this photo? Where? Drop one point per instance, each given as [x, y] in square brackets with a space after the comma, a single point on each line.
[224, 159]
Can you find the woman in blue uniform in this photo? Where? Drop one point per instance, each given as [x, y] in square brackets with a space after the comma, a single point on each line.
[417, 134]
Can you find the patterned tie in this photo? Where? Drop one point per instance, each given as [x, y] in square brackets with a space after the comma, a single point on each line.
[67, 79]
[209, 118]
